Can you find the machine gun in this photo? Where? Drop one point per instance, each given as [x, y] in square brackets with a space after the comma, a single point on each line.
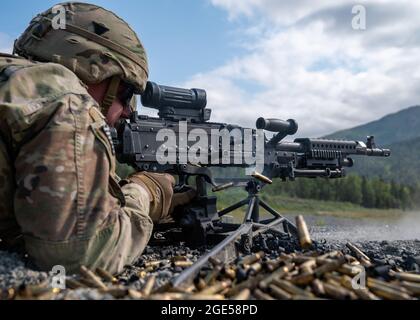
[138, 142]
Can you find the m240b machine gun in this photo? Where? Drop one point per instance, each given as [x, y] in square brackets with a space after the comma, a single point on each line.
[138, 142]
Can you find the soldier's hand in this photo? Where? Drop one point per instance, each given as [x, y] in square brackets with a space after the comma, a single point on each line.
[163, 201]
[160, 189]
[181, 199]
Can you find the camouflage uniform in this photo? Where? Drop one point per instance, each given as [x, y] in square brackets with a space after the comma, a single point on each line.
[58, 187]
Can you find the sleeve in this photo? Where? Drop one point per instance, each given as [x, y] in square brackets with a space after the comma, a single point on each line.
[68, 203]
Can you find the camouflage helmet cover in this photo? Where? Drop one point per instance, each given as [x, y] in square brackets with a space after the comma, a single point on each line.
[96, 45]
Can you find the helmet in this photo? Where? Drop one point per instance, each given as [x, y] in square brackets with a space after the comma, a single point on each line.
[94, 43]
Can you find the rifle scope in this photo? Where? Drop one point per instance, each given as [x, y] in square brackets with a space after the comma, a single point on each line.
[158, 97]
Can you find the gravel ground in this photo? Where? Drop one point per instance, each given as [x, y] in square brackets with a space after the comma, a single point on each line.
[389, 245]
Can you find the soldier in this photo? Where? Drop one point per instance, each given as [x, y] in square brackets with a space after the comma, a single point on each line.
[59, 194]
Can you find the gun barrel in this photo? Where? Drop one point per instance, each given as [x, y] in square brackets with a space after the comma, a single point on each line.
[375, 152]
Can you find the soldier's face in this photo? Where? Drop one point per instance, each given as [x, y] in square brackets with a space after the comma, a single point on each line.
[120, 107]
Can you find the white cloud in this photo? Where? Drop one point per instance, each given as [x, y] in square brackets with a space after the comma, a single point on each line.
[304, 61]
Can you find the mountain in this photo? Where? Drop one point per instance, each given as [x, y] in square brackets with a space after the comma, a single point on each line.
[400, 132]
[400, 126]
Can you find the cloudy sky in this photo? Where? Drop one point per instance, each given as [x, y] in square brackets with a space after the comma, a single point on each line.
[297, 59]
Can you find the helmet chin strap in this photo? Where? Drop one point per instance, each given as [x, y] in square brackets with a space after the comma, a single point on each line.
[110, 95]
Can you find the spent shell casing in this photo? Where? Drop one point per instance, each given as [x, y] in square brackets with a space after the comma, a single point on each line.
[74, 284]
[308, 266]
[214, 261]
[303, 233]
[250, 283]
[117, 293]
[405, 276]
[106, 275]
[318, 287]
[167, 296]
[248, 260]
[362, 293]
[349, 270]
[8, 294]
[254, 268]
[134, 294]
[212, 275]
[335, 291]
[330, 266]
[303, 279]
[291, 288]
[262, 178]
[412, 287]
[183, 264]
[357, 252]
[229, 272]
[148, 286]
[204, 297]
[87, 283]
[280, 273]
[199, 283]
[279, 293]
[329, 255]
[386, 292]
[179, 258]
[94, 279]
[216, 288]
[242, 295]
[259, 295]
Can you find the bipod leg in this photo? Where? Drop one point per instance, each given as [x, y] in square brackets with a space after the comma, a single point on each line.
[288, 226]
[233, 207]
[221, 251]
